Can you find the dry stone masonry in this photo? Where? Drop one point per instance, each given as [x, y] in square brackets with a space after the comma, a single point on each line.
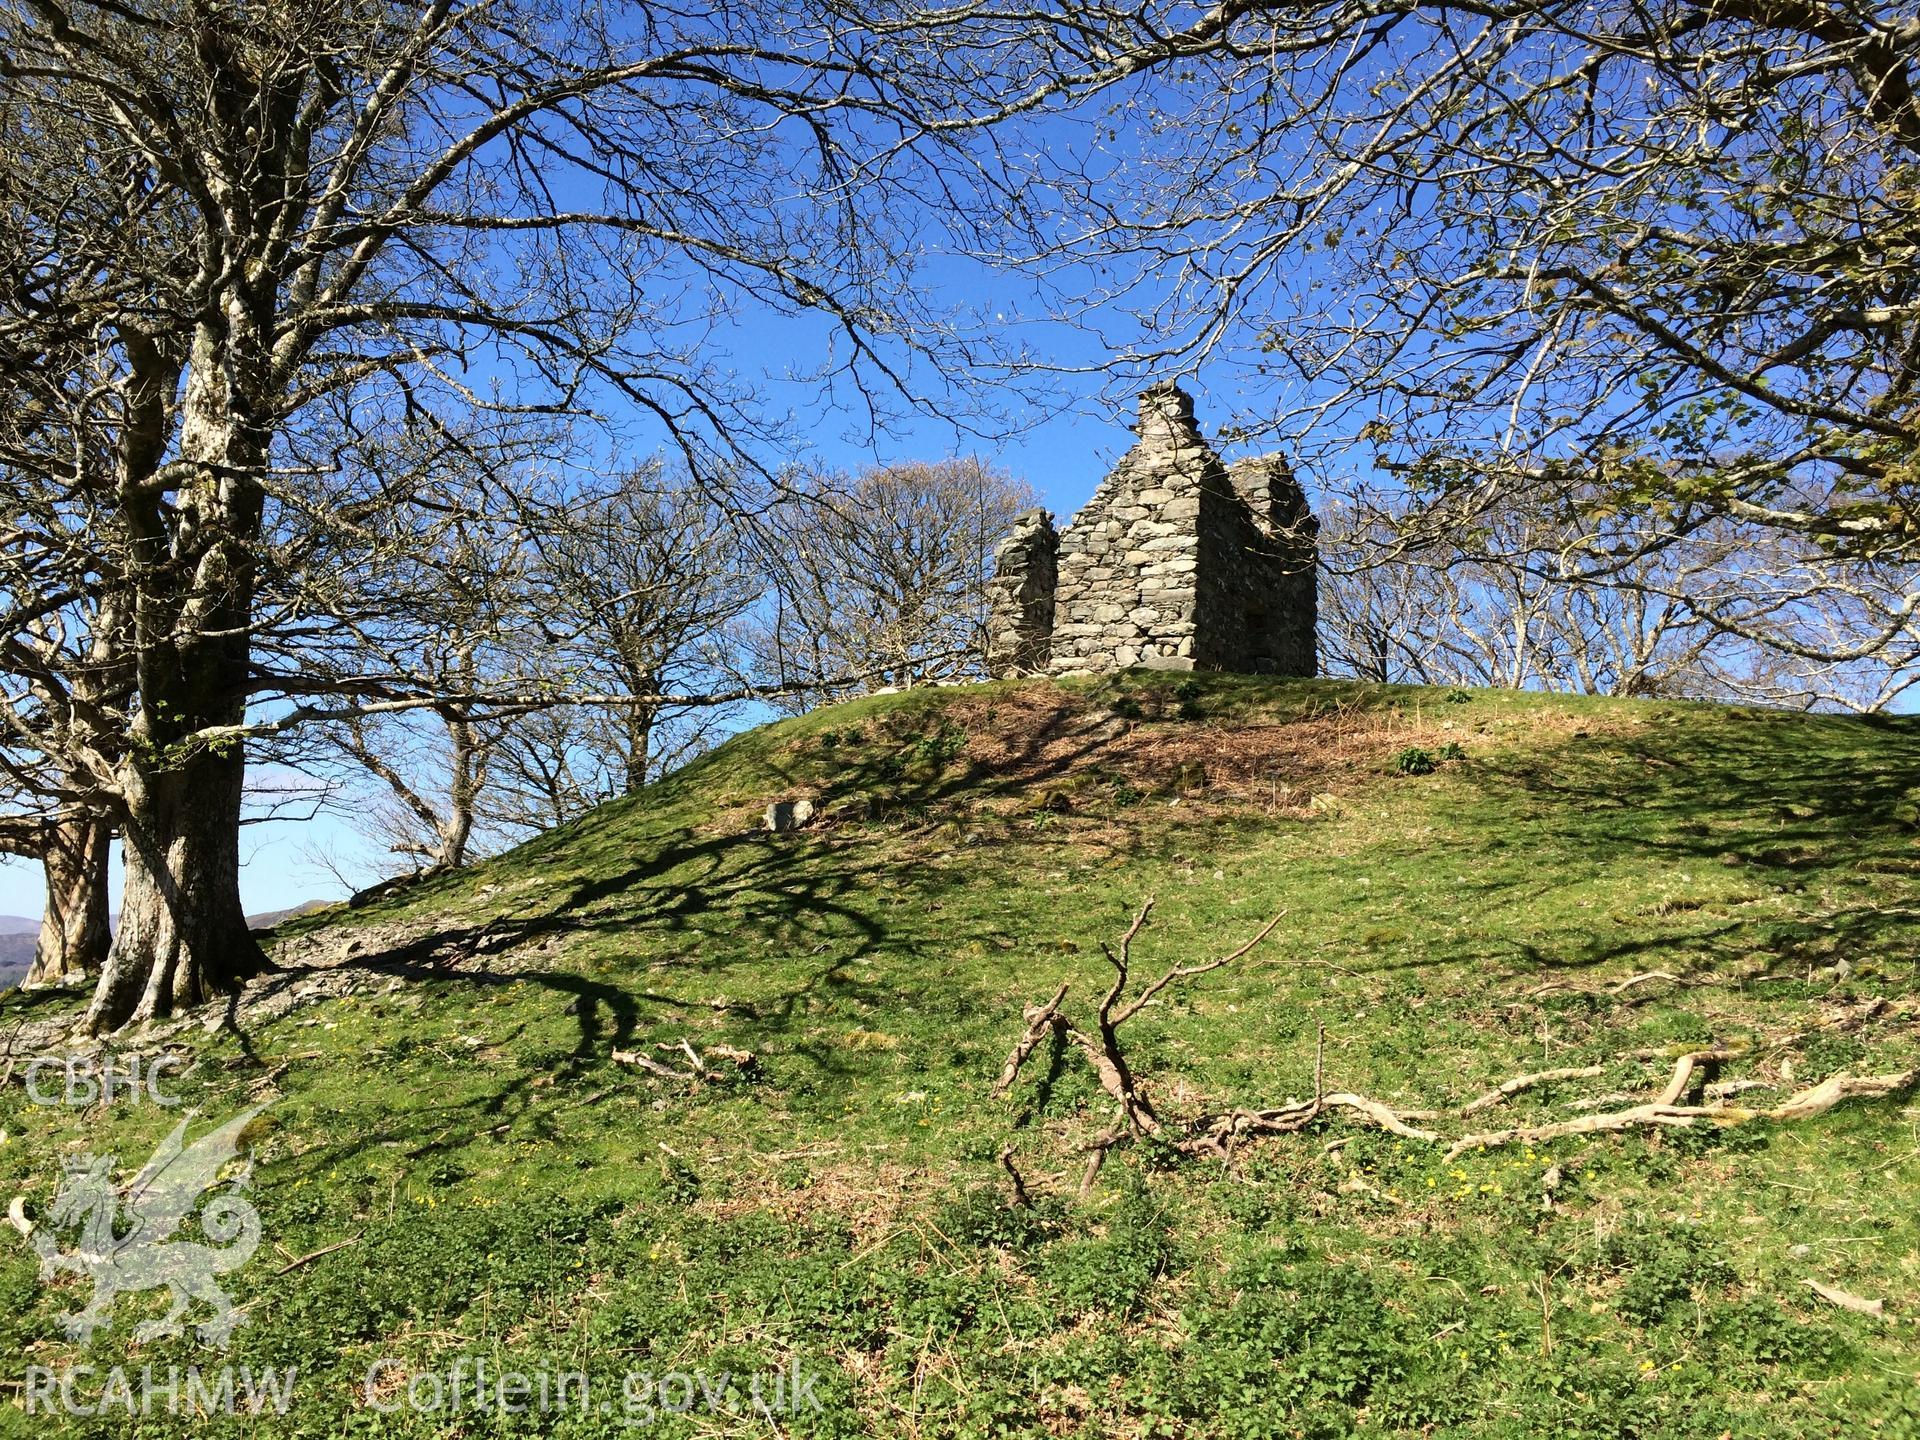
[1178, 562]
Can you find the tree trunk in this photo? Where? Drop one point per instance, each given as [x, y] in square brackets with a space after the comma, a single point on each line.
[183, 936]
[73, 929]
[639, 747]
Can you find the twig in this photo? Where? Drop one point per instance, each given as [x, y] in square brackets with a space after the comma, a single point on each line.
[1319, 1063]
[1633, 980]
[1021, 1198]
[293, 1265]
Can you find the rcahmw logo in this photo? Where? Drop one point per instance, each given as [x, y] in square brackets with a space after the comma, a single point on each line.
[87, 1390]
[125, 1240]
[78, 1081]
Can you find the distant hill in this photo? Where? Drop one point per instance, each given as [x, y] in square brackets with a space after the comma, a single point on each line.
[19, 925]
[267, 919]
[16, 954]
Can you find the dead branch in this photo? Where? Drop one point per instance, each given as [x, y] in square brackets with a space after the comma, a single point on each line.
[1639, 1115]
[652, 1067]
[1815, 1100]
[1379, 1114]
[1041, 1020]
[1846, 1300]
[1217, 1134]
[702, 1071]
[313, 1255]
[1818, 1099]
[1509, 1088]
[1021, 1199]
[1189, 971]
[1600, 1102]
[1682, 1077]
[1633, 980]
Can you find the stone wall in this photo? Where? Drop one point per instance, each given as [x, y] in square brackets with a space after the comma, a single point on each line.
[1259, 597]
[1130, 561]
[1176, 563]
[1020, 597]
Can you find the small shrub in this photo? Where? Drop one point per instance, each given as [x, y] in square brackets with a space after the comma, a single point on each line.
[1414, 761]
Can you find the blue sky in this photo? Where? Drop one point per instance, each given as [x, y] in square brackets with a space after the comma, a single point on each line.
[1062, 448]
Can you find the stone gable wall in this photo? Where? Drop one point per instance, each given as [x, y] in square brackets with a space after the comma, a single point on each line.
[1175, 563]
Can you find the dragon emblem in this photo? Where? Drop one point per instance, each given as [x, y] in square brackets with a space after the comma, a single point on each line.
[126, 1237]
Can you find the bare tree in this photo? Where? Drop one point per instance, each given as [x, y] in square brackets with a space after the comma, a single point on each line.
[641, 584]
[883, 574]
[589, 603]
[1586, 604]
[237, 233]
[1662, 245]
[450, 611]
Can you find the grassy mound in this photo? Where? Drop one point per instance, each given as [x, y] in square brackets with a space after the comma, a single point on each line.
[1475, 885]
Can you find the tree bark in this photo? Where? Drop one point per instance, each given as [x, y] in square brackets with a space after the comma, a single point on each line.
[74, 935]
[638, 724]
[183, 936]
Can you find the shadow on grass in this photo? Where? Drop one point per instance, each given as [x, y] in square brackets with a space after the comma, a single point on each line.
[1778, 799]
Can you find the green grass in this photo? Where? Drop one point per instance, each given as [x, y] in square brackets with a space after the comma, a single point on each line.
[518, 1194]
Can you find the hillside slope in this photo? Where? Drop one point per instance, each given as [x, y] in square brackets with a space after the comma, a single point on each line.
[1472, 886]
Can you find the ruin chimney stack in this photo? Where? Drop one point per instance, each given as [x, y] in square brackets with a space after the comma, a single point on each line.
[1166, 426]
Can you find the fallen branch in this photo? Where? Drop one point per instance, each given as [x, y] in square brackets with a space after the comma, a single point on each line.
[1509, 1088]
[1833, 1295]
[1041, 1020]
[653, 1067]
[1639, 1115]
[1682, 1077]
[1818, 1099]
[311, 1256]
[1217, 1134]
[1815, 1100]
[702, 1071]
[1633, 980]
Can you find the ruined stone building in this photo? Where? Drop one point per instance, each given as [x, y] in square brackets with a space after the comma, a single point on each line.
[1178, 562]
